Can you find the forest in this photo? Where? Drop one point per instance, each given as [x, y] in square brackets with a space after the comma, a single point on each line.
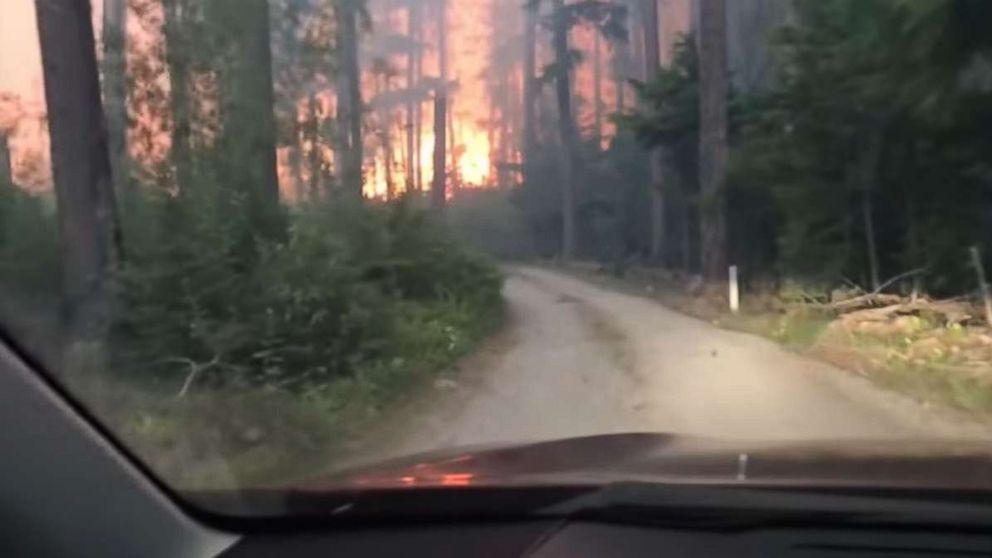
[300, 203]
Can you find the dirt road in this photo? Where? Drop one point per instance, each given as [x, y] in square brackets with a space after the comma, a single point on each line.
[578, 359]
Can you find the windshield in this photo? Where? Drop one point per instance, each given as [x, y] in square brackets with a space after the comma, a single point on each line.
[266, 241]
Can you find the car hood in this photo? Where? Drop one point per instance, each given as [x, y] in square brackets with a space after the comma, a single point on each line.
[597, 460]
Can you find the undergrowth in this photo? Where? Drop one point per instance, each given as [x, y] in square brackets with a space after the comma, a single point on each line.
[232, 369]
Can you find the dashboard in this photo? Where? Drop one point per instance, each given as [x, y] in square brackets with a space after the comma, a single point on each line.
[560, 539]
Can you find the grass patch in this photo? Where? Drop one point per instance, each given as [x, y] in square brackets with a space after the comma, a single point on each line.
[949, 366]
[931, 384]
[798, 329]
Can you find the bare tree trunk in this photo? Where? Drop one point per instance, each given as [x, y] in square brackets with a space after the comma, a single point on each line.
[504, 130]
[386, 141]
[652, 64]
[411, 83]
[530, 85]
[566, 128]
[6, 163]
[442, 47]
[178, 47]
[313, 156]
[685, 226]
[115, 85]
[638, 49]
[248, 115]
[84, 191]
[418, 109]
[713, 148]
[438, 187]
[342, 146]
[868, 176]
[296, 165]
[621, 55]
[351, 103]
[491, 126]
[597, 80]
[455, 176]
[515, 107]
[387, 150]
[913, 244]
[983, 284]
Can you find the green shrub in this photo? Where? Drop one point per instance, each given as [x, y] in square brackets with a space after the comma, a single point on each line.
[349, 289]
[28, 243]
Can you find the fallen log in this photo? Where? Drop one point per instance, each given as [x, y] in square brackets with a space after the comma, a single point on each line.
[943, 313]
[871, 300]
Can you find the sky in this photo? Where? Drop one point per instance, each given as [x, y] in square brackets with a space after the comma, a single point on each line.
[20, 61]
[20, 75]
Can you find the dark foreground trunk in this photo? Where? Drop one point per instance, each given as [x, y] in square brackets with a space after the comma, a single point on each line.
[84, 190]
[115, 85]
[713, 136]
[566, 129]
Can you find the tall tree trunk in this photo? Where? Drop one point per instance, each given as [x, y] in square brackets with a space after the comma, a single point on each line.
[387, 150]
[296, 164]
[178, 47]
[597, 84]
[456, 178]
[248, 115]
[339, 132]
[566, 128]
[652, 64]
[713, 148]
[494, 98]
[84, 190]
[442, 48]
[621, 61]
[869, 173]
[914, 243]
[115, 85]
[6, 163]
[412, 24]
[530, 85]
[418, 112]
[638, 49]
[386, 141]
[313, 156]
[504, 130]
[351, 103]
[438, 187]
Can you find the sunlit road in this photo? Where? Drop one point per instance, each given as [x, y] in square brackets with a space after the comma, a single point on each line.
[579, 359]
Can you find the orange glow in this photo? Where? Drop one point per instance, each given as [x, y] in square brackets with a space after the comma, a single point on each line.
[457, 479]
[469, 36]
[469, 40]
[476, 141]
[423, 475]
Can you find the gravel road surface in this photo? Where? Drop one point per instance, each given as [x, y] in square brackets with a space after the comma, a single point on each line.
[579, 359]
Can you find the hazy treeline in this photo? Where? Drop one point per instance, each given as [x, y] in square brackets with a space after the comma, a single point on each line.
[835, 141]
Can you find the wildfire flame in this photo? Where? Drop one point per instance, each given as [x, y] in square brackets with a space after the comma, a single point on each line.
[476, 146]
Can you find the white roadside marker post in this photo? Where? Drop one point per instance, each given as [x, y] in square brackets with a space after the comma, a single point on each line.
[735, 297]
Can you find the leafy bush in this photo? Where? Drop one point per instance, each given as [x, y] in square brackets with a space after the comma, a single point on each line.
[28, 243]
[337, 296]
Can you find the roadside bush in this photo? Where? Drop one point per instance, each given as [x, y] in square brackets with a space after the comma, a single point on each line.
[337, 296]
[28, 243]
